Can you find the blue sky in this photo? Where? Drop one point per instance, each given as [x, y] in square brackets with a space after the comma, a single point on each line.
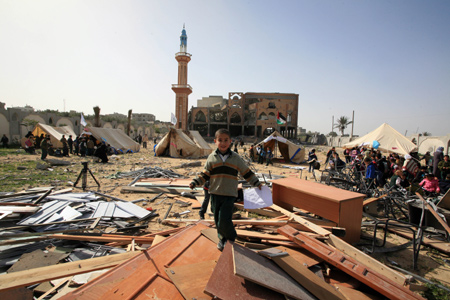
[389, 61]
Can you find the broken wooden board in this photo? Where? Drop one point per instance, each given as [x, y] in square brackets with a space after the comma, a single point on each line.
[211, 234]
[262, 271]
[366, 259]
[37, 275]
[223, 284]
[20, 293]
[37, 259]
[351, 294]
[191, 280]
[302, 275]
[126, 280]
[259, 211]
[194, 203]
[259, 235]
[305, 257]
[354, 268]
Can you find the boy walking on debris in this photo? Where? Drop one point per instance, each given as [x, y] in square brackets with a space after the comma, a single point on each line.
[221, 169]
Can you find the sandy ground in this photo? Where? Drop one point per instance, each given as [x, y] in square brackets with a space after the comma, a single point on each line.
[431, 263]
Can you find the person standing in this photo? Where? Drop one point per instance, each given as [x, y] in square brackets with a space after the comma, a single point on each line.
[312, 159]
[444, 167]
[44, 148]
[90, 147]
[5, 141]
[222, 169]
[437, 158]
[269, 156]
[70, 144]
[145, 141]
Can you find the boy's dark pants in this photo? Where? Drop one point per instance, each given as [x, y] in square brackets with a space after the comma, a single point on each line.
[222, 207]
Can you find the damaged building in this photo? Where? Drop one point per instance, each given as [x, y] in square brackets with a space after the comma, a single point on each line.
[250, 114]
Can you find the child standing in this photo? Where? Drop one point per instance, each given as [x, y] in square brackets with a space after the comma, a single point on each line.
[221, 169]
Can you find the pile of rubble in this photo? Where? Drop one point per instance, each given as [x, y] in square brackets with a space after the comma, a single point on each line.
[67, 245]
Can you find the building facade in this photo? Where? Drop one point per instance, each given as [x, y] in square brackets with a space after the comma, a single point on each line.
[249, 114]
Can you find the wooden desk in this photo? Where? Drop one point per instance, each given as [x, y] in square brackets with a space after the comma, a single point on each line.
[341, 206]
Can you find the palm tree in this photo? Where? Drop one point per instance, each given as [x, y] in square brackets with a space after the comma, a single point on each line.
[342, 123]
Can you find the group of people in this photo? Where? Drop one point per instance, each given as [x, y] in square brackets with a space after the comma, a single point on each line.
[80, 146]
[261, 155]
[433, 176]
[143, 140]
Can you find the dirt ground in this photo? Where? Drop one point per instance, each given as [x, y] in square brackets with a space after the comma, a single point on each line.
[431, 263]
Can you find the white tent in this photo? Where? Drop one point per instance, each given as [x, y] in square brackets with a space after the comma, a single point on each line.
[289, 150]
[390, 140]
[179, 143]
[116, 138]
[55, 133]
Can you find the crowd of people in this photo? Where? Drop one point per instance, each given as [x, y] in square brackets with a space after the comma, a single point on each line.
[84, 145]
[429, 172]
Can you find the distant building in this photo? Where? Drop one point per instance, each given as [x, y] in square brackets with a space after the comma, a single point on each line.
[143, 118]
[249, 114]
[212, 101]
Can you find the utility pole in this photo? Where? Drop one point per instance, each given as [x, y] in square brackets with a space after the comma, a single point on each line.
[353, 124]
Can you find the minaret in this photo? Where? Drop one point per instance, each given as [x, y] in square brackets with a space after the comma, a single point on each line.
[182, 89]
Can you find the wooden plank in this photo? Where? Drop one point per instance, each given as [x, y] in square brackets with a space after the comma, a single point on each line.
[366, 259]
[37, 275]
[158, 239]
[354, 268]
[224, 284]
[304, 276]
[191, 280]
[305, 257]
[351, 294]
[211, 234]
[260, 211]
[57, 286]
[110, 239]
[313, 227]
[253, 267]
[194, 203]
[259, 235]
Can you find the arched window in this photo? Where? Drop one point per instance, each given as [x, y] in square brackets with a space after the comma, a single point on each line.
[200, 117]
[272, 116]
[235, 118]
[272, 105]
[263, 116]
[50, 121]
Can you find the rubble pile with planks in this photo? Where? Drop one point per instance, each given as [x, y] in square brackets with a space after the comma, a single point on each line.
[67, 245]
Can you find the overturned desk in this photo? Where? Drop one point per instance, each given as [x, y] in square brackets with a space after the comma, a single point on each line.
[337, 205]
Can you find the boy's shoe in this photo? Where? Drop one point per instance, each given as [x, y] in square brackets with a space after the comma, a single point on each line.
[202, 215]
[221, 244]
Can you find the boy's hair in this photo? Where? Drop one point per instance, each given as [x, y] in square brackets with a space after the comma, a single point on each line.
[222, 131]
[368, 159]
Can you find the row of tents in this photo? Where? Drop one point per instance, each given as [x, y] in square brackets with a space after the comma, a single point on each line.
[116, 138]
[190, 144]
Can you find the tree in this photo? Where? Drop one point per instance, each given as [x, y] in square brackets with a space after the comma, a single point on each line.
[29, 123]
[333, 134]
[342, 123]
